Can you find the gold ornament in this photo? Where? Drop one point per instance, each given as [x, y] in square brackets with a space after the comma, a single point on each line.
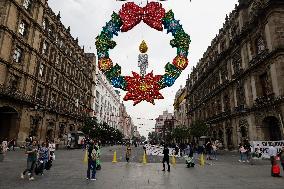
[143, 87]
[143, 47]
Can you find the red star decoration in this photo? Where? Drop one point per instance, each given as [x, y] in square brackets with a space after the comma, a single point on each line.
[143, 88]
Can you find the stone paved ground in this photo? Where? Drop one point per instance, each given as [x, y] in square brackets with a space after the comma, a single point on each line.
[69, 172]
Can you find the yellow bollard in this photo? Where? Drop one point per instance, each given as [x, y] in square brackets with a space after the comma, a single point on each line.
[85, 160]
[144, 159]
[202, 161]
[114, 157]
[174, 160]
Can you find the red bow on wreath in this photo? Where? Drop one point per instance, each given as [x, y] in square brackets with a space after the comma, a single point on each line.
[131, 15]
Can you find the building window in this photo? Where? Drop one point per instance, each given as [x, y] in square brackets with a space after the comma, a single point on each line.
[27, 4]
[237, 63]
[53, 99]
[40, 93]
[41, 70]
[56, 60]
[227, 103]
[265, 85]
[34, 125]
[18, 53]
[55, 78]
[240, 90]
[14, 82]
[23, 28]
[61, 130]
[45, 48]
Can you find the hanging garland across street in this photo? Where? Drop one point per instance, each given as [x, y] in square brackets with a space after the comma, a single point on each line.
[142, 87]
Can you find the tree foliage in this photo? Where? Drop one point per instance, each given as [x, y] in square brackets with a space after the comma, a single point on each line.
[102, 132]
[154, 137]
[198, 129]
[180, 134]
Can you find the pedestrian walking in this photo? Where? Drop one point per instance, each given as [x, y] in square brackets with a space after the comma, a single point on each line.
[144, 148]
[272, 152]
[208, 150]
[31, 151]
[44, 156]
[1, 153]
[5, 145]
[166, 158]
[281, 156]
[92, 157]
[242, 153]
[13, 144]
[128, 152]
[83, 143]
[176, 150]
[214, 151]
[247, 147]
[98, 161]
[257, 152]
[51, 148]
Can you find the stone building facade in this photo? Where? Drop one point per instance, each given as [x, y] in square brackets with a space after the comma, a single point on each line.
[107, 101]
[180, 108]
[46, 79]
[126, 125]
[238, 85]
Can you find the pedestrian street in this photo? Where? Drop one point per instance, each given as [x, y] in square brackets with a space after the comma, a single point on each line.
[68, 171]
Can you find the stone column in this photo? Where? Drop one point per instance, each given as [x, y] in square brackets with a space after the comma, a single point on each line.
[253, 88]
[225, 136]
[274, 79]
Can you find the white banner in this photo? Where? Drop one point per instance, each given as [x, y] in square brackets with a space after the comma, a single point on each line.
[155, 150]
[264, 146]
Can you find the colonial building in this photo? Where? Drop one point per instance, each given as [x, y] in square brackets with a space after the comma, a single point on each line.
[238, 85]
[107, 101]
[180, 108]
[46, 79]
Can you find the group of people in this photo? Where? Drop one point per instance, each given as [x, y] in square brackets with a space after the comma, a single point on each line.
[245, 151]
[274, 156]
[246, 156]
[209, 148]
[39, 157]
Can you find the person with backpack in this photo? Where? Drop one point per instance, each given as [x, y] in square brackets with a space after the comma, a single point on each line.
[128, 152]
[31, 151]
[166, 158]
[92, 157]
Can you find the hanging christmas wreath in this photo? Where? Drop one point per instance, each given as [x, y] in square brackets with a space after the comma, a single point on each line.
[146, 86]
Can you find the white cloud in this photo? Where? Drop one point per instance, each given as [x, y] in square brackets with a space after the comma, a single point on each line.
[202, 19]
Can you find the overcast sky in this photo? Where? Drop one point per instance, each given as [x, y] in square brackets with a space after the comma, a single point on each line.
[201, 19]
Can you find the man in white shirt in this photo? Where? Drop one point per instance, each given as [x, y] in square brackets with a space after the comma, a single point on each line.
[272, 152]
